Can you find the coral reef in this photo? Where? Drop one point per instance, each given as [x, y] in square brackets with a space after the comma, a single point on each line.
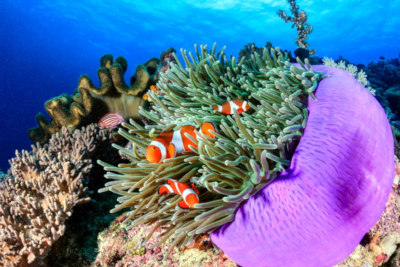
[299, 21]
[41, 190]
[120, 247]
[384, 76]
[249, 150]
[249, 165]
[89, 103]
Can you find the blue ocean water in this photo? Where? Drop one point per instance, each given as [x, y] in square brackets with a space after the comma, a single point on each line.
[47, 44]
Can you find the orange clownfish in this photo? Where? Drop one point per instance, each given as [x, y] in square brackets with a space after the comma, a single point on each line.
[189, 194]
[170, 143]
[229, 106]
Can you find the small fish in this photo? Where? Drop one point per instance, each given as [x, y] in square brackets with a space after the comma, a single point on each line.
[111, 120]
[170, 143]
[229, 106]
[154, 89]
[189, 194]
[146, 97]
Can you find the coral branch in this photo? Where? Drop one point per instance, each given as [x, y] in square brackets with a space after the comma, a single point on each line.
[40, 191]
[299, 20]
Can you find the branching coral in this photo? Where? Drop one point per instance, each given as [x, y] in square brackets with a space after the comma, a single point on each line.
[247, 154]
[360, 75]
[40, 192]
[299, 20]
[89, 103]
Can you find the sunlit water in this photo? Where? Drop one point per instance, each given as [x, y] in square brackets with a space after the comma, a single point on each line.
[46, 45]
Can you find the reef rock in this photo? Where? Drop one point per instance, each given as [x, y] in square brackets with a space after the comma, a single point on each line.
[119, 247]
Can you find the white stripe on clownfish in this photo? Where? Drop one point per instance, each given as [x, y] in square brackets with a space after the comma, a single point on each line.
[187, 192]
[170, 189]
[177, 141]
[177, 187]
[233, 107]
[244, 105]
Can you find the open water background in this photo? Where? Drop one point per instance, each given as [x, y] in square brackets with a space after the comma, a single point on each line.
[45, 45]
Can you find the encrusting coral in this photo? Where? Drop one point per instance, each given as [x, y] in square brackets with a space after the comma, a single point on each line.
[89, 103]
[41, 190]
[249, 150]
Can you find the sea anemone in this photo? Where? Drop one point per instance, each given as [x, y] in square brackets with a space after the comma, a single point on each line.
[249, 152]
[317, 211]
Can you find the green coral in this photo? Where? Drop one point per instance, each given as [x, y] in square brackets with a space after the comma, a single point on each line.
[249, 150]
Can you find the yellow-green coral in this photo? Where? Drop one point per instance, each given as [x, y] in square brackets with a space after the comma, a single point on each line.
[249, 149]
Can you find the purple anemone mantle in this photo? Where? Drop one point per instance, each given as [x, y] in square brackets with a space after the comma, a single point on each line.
[334, 191]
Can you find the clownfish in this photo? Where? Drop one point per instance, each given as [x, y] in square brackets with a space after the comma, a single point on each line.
[189, 194]
[229, 106]
[170, 143]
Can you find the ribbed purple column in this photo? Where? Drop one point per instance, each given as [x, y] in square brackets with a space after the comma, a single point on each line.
[335, 190]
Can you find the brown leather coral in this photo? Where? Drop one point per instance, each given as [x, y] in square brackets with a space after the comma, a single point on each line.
[89, 103]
